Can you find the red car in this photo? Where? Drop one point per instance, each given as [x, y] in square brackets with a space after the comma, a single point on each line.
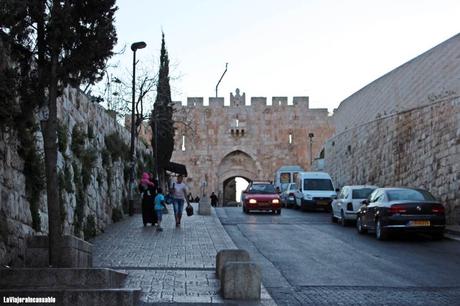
[261, 196]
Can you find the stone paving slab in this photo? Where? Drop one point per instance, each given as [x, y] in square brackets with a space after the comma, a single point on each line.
[173, 266]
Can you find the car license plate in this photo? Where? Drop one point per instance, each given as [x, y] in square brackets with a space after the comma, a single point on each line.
[419, 223]
[264, 203]
[322, 203]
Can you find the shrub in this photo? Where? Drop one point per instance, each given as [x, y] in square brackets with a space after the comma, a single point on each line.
[78, 141]
[88, 162]
[117, 215]
[89, 230]
[62, 137]
[117, 148]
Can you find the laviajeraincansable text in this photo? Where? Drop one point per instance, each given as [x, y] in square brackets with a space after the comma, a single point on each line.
[28, 300]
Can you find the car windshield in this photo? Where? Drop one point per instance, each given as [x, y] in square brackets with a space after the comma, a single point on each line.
[262, 188]
[410, 195]
[317, 184]
[362, 193]
[293, 187]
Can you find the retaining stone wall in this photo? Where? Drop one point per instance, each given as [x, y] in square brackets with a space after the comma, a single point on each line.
[106, 191]
[419, 147]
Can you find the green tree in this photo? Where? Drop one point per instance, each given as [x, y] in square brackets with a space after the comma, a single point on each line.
[162, 116]
[69, 42]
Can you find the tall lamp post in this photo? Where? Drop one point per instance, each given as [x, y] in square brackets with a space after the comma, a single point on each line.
[311, 135]
[134, 47]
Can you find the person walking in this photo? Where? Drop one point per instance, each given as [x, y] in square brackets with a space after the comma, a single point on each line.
[148, 191]
[213, 199]
[159, 206]
[179, 194]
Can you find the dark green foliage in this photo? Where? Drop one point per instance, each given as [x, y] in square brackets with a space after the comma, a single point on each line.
[117, 215]
[148, 161]
[117, 148]
[78, 141]
[109, 178]
[105, 156]
[62, 137]
[33, 172]
[88, 161]
[90, 132]
[68, 179]
[89, 229]
[8, 94]
[126, 172]
[161, 119]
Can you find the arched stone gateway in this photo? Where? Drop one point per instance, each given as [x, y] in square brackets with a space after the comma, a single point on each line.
[235, 164]
[217, 142]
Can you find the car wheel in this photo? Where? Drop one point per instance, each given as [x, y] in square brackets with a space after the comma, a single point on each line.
[333, 218]
[380, 233]
[278, 211]
[343, 221]
[359, 226]
[437, 236]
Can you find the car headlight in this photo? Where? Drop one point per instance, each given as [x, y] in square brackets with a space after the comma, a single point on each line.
[308, 197]
[275, 201]
[252, 201]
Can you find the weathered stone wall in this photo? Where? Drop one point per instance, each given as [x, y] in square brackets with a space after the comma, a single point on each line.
[421, 81]
[106, 189]
[419, 147]
[250, 141]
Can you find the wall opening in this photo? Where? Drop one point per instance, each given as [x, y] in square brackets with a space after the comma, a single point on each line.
[290, 138]
[232, 190]
[183, 143]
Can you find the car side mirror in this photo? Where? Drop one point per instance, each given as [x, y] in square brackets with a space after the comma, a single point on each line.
[365, 202]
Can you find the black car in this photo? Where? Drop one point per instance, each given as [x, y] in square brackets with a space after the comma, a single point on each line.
[390, 210]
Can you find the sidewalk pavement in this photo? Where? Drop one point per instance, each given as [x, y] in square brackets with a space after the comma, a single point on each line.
[173, 266]
[453, 232]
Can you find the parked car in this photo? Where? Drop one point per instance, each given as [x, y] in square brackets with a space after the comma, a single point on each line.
[315, 191]
[401, 209]
[261, 196]
[288, 196]
[348, 202]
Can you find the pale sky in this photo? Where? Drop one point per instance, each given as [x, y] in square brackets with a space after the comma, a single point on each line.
[324, 49]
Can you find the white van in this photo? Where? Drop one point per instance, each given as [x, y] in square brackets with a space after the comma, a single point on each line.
[316, 190]
[286, 175]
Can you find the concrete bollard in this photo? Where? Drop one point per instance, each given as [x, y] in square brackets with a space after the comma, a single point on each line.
[224, 256]
[241, 280]
[204, 207]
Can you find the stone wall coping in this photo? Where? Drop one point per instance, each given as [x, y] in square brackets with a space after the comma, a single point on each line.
[444, 100]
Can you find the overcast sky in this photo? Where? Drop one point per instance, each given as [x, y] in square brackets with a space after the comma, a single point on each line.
[324, 49]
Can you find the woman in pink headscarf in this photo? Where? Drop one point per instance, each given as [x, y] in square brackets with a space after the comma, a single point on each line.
[148, 191]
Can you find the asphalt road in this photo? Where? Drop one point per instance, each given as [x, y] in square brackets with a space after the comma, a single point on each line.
[307, 260]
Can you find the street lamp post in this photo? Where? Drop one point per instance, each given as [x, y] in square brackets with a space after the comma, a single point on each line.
[311, 135]
[134, 47]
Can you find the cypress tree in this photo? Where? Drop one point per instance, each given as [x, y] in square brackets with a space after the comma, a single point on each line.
[162, 116]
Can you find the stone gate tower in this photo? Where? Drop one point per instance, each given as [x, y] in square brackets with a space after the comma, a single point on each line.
[218, 143]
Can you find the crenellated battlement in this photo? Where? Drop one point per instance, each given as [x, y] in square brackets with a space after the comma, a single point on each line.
[239, 100]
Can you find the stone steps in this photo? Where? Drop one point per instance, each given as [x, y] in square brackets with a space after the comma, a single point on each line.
[69, 286]
[87, 297]
[63, 278]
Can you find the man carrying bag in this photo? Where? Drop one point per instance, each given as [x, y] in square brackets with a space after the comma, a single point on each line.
[179, 195]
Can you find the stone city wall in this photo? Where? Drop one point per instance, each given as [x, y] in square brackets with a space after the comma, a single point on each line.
[93, 174]
[419, 147]
[427, 78]
[250, 141]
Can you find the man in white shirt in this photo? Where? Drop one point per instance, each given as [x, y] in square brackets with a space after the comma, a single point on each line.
[179, 192]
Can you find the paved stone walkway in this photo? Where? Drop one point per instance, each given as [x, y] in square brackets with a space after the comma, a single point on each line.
[173, 266]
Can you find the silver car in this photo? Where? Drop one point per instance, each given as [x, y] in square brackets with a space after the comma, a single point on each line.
[348, 202]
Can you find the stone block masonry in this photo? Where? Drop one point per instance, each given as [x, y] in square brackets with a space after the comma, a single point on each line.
[94, 178]
[419, 147]
[219, 142]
